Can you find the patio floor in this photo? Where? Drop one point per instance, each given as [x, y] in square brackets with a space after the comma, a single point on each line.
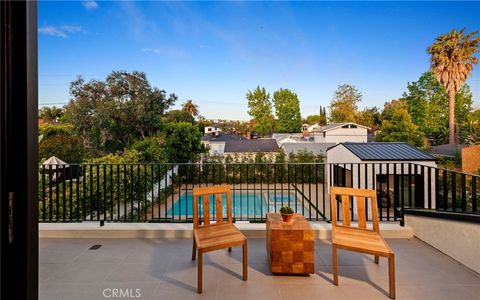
[162, 269]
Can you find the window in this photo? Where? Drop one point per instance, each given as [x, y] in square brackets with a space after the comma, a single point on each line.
[353, 126]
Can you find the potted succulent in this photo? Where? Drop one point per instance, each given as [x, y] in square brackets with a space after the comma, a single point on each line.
[287, 213]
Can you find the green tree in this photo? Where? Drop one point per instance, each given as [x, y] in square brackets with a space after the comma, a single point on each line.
[344, 105]
[427, 103]
[176, 116]
[51, 114]
[452, 60]
[397, 125]
[59, 141]
[370, 117]
[287, 109]
[260, 109]
[310, 120]
[151, 150]
[109, 115]
[182, 142]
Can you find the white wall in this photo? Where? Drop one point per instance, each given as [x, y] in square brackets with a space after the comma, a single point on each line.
[459, 240]
[215, 147]
[210, 129]
[340, 155]
[341, 135]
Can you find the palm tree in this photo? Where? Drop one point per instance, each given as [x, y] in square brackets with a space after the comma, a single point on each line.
[190, 107]
[452, 62]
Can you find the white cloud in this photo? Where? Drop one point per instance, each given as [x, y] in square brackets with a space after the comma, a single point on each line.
[60, 31]
[90, 4]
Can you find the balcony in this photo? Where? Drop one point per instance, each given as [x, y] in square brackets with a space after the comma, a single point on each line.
[86, 205]
[162, 269]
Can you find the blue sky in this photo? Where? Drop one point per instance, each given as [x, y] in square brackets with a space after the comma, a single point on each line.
[214, 52]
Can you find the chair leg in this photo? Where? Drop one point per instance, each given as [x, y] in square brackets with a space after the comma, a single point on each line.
[376, 259]
[245, 260]
[229, 249]
[199, 272]
[194, 249]
[391, 275]
[335, 265]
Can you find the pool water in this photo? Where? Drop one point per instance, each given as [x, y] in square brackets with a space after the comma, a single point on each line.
[244, 205]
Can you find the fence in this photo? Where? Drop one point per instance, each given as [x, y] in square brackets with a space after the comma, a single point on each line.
[162, 193]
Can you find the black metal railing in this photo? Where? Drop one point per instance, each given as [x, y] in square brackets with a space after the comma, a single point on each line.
[163, 192]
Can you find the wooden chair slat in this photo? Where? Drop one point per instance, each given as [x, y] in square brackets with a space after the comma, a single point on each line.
[362, 213]
[206, 209]
[346, 210]
[218, 208]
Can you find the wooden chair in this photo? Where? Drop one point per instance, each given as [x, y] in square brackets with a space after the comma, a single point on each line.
[359, 239]
[215, 236]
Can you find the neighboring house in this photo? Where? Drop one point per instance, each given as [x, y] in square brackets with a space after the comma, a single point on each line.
[214, 129]
[215, 142]
[376, 160]
[341, 133]
[471, 159]
[310, 128]
[314, 148]
[229, 144]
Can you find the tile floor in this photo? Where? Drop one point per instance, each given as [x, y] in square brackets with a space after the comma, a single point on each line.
[162, 269]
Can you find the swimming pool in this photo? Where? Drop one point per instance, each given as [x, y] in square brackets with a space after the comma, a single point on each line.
[244, 205]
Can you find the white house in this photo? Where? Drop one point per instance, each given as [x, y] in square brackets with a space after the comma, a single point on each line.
[341, 133]
[229, 144]
[389, 168]
[214, 129]
[310, 128]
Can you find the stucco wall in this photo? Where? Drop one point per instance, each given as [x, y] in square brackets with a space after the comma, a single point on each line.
[471, 159]
[460, 240]
[341, 135]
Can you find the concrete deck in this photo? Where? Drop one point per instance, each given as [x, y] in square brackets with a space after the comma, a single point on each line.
[162, 269]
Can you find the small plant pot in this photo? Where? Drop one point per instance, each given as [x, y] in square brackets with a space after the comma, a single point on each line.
[286, 217]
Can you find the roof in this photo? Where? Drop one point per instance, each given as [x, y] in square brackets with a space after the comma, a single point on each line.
[222, 137]
[386, 151]
[338, 125]
[446, 150]
[315, 148]
[264, 145]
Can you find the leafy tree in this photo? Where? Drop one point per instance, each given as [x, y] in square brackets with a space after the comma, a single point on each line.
[177, 116]
[51, 114]
[344, 105]
[287, 109]
[370, 117]
[190, 107]
[310, 120]
[151, 150]
[397, 125]
[452, 60]
[427, 103]
[58, 141]
[260, 109]
[470, 132]
[182, 142]
[109, 115]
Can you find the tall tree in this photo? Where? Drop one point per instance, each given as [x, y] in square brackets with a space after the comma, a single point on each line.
[190, 107]
[323, 116]
[287, 109]
[260, 109]
[344, 105]
[427, 103]
[108, 115]
[397, 125]
[452, 60]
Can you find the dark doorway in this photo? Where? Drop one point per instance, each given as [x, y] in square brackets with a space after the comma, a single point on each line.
[18, 151]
